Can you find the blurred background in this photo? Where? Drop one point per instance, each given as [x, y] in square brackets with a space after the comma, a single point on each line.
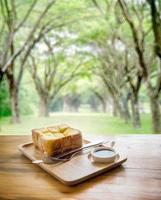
[95, 65]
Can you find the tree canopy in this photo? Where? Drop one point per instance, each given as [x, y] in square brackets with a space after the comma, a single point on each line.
[101, 53]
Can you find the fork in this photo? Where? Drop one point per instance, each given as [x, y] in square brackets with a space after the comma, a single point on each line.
[50, 159]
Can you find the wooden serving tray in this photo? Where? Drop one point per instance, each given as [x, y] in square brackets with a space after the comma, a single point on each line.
[76, 170]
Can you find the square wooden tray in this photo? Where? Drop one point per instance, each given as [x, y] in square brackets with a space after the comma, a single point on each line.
[76, 170]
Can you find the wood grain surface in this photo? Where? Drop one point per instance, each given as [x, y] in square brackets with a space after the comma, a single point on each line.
[139, 178]
[74, 171]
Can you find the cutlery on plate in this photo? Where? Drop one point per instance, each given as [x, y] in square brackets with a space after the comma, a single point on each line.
[50, 159]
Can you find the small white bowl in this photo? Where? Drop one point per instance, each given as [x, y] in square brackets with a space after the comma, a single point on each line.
[108, 154]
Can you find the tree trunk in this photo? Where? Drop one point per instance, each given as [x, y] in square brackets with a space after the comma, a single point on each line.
[114, 109]
[94, 104]
[156, 113]
[117, 111]
[104, 106]
[127, 115]
[14, 91]
[44, 107]
[135, 111]
[102, 100]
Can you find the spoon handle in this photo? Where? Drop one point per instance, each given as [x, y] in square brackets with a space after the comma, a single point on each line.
[92, 144]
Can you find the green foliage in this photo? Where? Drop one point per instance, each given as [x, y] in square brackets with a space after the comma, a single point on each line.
[28, 98]
[27, 102]
[5, 109]
[84, 26]
[57, 104]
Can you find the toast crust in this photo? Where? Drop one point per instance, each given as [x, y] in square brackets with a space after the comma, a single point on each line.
[56, 139]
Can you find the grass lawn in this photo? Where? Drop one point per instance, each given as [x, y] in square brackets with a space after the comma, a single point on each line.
[88, 123]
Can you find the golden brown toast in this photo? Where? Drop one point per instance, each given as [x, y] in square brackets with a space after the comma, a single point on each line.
[56, 139]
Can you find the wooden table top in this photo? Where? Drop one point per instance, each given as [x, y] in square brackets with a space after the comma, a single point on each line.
[139, 178]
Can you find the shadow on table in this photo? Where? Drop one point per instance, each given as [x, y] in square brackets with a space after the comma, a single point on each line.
[109, 177]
